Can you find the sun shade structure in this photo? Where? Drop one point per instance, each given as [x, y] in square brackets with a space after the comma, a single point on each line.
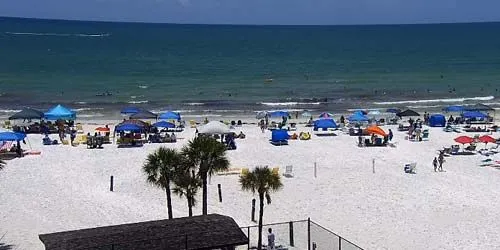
[407, 112]
[12, 136]
[164, 124]
[325, 115]
[27, 113]
[170, 115]
[213, 128]
[473, 114]
[130, 110]
[60, 112]
[464, 139]
[376, 130]
[324, 124]
[437, 120]
[134, 121]
[479, 107]
[211, 231]
[279, 135]
[487, 139]
[144, 114]
[279, 113]
[128, 127]
[454, 108]
[358, 117]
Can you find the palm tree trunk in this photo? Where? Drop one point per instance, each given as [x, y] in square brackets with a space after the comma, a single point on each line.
[205, 193]
[169, 199]
[261, 215]
[190, 206]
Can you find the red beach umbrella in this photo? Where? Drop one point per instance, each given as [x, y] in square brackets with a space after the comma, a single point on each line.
[102, 129]
[464, 139]
[487, 139]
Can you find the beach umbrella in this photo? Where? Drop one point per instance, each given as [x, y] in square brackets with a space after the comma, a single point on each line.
[214, 127]
[27, 113]
[170, 115]
[324, 124]
[130, 110]
[102, 129]
[325, 115]
[143, 114]
[407, 112]
[473, 114]
[376, 130]
[60, 112]
[479, 107]
[128, 127]
[464, 139]
[393, 110]
[279, 113]
[261, 115]
[374, 112]
[164, 124]
[487, 139]
[454, 108]
[12, 136]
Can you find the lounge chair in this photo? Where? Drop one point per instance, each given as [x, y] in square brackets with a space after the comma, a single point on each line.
[288, 171]
[410, 168]
[454, 149]
[425, 135]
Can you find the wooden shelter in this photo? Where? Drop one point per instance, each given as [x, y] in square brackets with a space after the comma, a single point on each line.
[211, 231]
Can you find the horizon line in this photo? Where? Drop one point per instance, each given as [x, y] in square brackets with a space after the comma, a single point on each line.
[239, 24]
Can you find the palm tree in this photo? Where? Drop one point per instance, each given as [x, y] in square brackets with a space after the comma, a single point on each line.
[187, 185]
[160, 168]
[208, 156]
[262, 181]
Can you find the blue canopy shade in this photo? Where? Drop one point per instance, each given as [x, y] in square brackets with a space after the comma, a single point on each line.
[474, 114]
[130, 110]
[325, 115]
[60, 112]
[164, 124]
[128, 127]
[324, 124]
[358, 117]
[437, 120]
[279, 135]
[279, 113]
[454, 108]
[170, 115]
[12, 136]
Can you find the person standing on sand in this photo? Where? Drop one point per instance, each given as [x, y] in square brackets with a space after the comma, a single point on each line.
[435, 163]
[390, 135]
[441, 160]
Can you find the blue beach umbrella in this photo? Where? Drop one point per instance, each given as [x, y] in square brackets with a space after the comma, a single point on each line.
[454, 108]
[130, 110]
[170, 115]
[164, 124]
[128, 127]
[279, 113]
[12, 136]
[324, 124]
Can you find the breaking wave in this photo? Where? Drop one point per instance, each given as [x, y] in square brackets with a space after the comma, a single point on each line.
[57, 34]
[453, 100]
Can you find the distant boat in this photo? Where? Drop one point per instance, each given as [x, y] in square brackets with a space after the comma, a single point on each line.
[104, 94]
[268, 80]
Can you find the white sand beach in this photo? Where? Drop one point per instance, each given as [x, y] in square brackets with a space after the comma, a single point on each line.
[67, 188]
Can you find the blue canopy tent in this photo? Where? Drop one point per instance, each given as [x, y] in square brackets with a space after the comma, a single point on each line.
[474, 114]
[358, 117]
[128, 127]
[325, 115]
[170, 115]
[454, 108]
[437, 120]
[279, 137]
[164, 124]
[130, 110]
[12, 136]
[60, 112]
[279, 113]
[324, 124]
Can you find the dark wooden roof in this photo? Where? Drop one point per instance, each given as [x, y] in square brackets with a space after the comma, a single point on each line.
[198, 232]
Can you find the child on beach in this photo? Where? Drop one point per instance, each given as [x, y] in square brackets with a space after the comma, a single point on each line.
[435, 163]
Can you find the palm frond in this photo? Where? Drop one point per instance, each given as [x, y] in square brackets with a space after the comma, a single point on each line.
[161, 166]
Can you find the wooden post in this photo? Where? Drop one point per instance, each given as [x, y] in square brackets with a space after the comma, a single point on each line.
[248, 233]
[292, 243]
[373, 165]
[253, 210]
[220, 192]
[308, 233]
[111, 184]
[315, 169]
[340, 243]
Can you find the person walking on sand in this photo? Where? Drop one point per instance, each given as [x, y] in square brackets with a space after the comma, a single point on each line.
[441, 160]
[390, 135]
[270, 239]
[435, 163]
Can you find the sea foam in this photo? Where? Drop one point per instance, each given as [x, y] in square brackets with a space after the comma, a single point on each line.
[478, 98]
[56, 34]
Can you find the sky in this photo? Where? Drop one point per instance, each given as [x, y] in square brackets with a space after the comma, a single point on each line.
[305, 12]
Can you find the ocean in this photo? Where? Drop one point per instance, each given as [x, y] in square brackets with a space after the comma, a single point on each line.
[97, 68]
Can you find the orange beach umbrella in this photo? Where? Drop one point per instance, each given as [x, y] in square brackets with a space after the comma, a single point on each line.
[376, 130]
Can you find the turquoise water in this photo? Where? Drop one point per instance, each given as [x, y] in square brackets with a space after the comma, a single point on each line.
[214, 68]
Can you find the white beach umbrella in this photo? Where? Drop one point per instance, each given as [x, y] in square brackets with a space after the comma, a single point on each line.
[214, 127]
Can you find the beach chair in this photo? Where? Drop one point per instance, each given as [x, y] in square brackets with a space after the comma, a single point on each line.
[65, 142]
[7, 125]
[410, 168]
[79, 128]
[288, 171]
[276, 171]
[454, 149]
[425, 135]
[244, 171]
[192, 123]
